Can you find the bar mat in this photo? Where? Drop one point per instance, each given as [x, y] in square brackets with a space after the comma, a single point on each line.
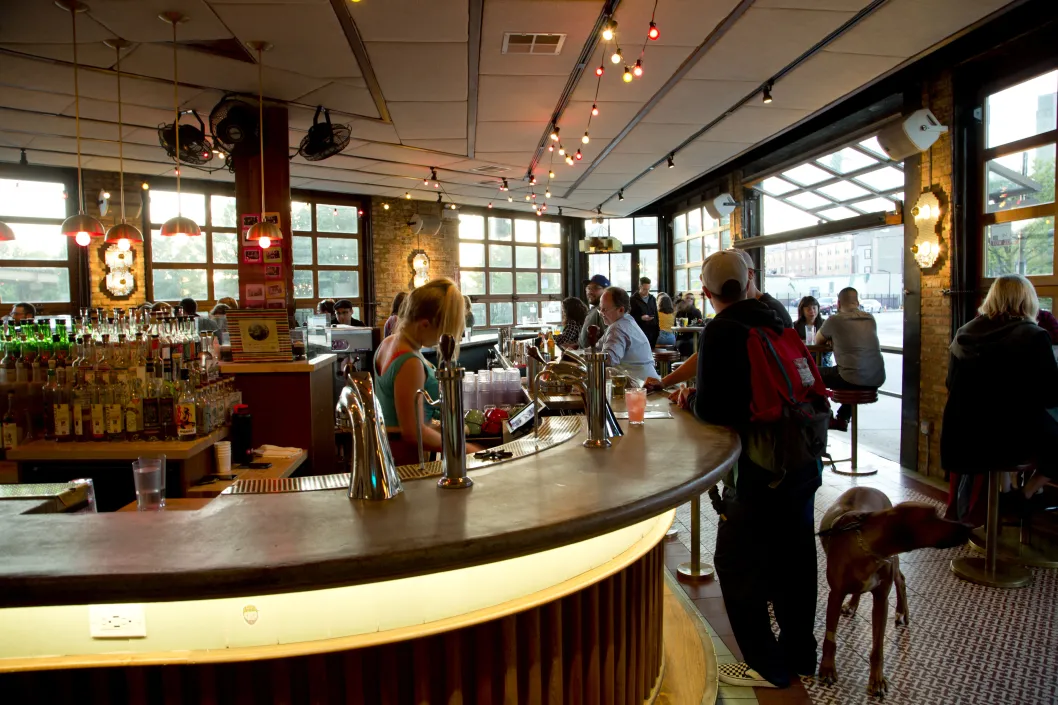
[646, 414]
[276, 485]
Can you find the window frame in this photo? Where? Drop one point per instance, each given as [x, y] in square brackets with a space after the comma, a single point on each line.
[717, 228]
[362, 308]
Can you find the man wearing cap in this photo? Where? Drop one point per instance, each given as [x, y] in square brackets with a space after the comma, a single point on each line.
[593, 289]
[765, 547]
[625, 344]
[343, 313]
[755, 293]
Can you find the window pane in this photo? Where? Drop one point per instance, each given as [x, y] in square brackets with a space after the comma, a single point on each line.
[648, 267]
[472, 283]
[646, 231]
[550, 258]
[592, 229]
[809, 200]
[621, 270]
[525, 230]
[163, 206]
[501, 283]
[471, 227]
[550, 283]
[302, 247]
[551, 311]
[339, 284]
[300, 216]
[34, 284]
[501, 314]
[680, 253]
[1022, 247]
[500, 256]
[528, 312]
[679, 226]
[303, 286]
[225, 283]
[526, 257]
[846, 160]
[550, 233]
[710, 244]
[874, 205]
[694, 221]
[882, 179]
[725, 239]
[778, 217]
[806, 175]
[776, 186]
[1021, 111]
[479, 315]
[1020, 180]
[182, 249]
[694, 250]
[36, 199]
[222, 210]
[471, 255]
[527, 282]
[599, 264]
[843, 191]
[336, 219]
[681, 280]
[839, 213]
[621, 228]
[337, 251]
[35, 242]
[225, 249]
[176, 284]
[500, 229]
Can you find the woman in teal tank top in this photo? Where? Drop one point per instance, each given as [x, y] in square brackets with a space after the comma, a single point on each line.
[432, 310]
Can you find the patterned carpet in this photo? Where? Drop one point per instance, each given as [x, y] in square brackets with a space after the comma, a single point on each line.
[966, 644]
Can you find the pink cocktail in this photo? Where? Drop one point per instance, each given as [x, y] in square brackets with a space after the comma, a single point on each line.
[636, 404]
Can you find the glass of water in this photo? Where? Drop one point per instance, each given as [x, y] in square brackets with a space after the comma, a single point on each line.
[148, 474]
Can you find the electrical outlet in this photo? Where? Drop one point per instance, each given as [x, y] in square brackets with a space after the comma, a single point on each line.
[116, 622]
[925, 428]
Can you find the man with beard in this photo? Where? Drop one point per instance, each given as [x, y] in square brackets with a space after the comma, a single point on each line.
[593, 289]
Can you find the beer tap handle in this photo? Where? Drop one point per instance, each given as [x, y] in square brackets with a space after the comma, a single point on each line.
[447, 348]
[593, 336]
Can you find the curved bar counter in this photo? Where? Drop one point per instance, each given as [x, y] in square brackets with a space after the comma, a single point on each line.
[545, 577]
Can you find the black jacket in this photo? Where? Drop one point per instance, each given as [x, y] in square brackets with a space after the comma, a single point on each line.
[725, 392]
[642, 308]
[1002, 378]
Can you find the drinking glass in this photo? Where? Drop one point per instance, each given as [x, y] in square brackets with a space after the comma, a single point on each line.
[636, 404]
[148, 474]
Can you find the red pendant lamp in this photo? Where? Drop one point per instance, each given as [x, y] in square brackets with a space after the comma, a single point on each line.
[261, 231]
[178, 225]
[82, 227]
[123, 234]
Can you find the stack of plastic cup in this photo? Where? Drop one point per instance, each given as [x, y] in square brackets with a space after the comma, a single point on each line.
[514, 386]
[222, 449]
[470, 391]
[484, 391]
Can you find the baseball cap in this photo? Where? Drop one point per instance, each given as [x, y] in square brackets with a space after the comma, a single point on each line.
[597, 279]
[746, 257]
[342, 303]
[722, 268]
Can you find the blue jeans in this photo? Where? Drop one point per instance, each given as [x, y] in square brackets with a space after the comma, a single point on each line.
[667, 337]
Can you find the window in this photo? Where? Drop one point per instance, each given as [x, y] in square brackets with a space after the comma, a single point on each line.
[692, 247]
[511, 268]
[639, 255]
[36, 265]
[327, 251]
[204, 268]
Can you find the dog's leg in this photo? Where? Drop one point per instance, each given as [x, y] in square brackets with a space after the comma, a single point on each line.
[878, 685]
[851, 606]
[901, 594]
[827, 673]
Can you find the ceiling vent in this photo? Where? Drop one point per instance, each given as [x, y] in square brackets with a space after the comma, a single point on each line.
[541, 44]
[490, 169]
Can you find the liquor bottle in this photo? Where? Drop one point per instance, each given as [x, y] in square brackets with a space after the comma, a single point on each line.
[186, 408]
[81, 407]
[95, 390]
[151, 426]
[207, 364]
[138, 360]
[133, 409]
[7, 363]
[114, 403]
[50, 392]
[550, 346]
[44, 346]
[167, 403]
[9, 429]
[22, 369]
[59, 351]
[61, 404]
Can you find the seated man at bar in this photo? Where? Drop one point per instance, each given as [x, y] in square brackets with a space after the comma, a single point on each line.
[593, 289]
[430, 311]
[857, 352]
[624, 343]
[765, 548]
[190, 308]
[343, 314]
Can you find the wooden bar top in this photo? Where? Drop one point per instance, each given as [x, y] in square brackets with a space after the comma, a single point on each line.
[41, 450]
[281, 467]
[253, 544]
[261, 368]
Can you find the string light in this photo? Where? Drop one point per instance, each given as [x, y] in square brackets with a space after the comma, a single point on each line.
[569, 160]
[547, 193]
[385, 206]
[653, 32]
[608, 30]
[490, 204]
[561, 150]
[578, 156]
[594, 109]
[627, 75]
[534, 195]
[505, 187]
[527, 197]
[453, 206]
[638, 70]
[616, 57]
[585, 139]
[407, 195]
[767, 93]
[532, 181]
[551, 148]
[554, 134]
[600, 71]
[510, 199]
[671, 161]
[145, 186]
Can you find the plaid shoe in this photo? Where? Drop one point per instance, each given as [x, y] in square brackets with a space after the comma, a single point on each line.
[742, 674]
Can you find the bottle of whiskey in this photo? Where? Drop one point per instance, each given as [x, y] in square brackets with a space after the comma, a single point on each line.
[81, 407]
[7, 363]
[167, 404]
[152, 424]
[95, 386]
[50, 392]
[112, 408]
[60, 403]
[186, 408]
[133, 409]
[10, 433]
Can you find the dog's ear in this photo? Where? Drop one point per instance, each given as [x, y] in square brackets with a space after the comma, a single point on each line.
[918, 525]
[849, 521]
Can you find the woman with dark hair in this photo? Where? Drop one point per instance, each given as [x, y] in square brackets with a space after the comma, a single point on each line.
[573, 313]
[808, 315]
[394, 311]
[666, 319]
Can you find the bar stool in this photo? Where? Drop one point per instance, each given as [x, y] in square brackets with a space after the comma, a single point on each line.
[991, 570]
[855, 397]
[663, 360]
[1016, 544]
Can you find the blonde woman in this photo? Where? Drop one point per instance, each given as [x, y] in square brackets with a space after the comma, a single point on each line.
[430, 311]
[1002, 380]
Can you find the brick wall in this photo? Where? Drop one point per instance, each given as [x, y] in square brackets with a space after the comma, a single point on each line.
[95, 181]
[394, 242]
[936, 307]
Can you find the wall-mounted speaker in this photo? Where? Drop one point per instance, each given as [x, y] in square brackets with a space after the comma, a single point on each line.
[913, 134]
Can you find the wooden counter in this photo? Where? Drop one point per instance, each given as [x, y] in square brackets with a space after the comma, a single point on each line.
[118, 450]
[261, 368]
[281, 467]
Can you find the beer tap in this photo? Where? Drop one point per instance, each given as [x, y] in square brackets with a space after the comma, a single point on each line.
[372, 473]
[453, 435]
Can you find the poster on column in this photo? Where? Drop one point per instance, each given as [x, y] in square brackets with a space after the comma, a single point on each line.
[254, 294]
[273, 271]
[273, 218]
[246, 221]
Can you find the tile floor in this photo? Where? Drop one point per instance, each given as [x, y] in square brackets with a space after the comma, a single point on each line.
[966, 644]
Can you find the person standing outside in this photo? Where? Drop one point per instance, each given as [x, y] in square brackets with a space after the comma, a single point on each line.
[766, 299]
[854, 334]
[765, 546]
[624, 344]
[593, 289]
[645, 311]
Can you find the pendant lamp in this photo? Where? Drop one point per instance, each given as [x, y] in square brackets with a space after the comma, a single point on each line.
[82, 227]
[122, 234]
[6, 233]
[177, 225]
[261, 231]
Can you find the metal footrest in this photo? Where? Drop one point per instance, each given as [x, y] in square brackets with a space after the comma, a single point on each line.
[1010, 548]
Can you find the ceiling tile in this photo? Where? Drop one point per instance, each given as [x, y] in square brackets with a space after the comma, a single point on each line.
[839, 5]
[654, 139]
[683, 23]
[395, 153]
[420, 72]
[574, 19]
[828, 76]
[627, 163]
[46, 23]
[341, 96]
[507, 137]
[612, 118]
[659, 64]
[139, 22]
[11, 97]
[411, 21]
[95, 54]
[456, 147]
[416, 121]
[699, 102]
[522, 98]
[754, 123]
[704, 154]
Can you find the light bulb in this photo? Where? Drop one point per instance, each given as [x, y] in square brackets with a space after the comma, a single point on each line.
[527, 197]
[653, 32]
[600, 71]
[561, 150]
[578, 155]
[585, 139]
[616, 57]
[767, 93]
[453, 206]
[638, 69]
[609, 30]
[550, 174]
[510, 199]
[83, 239]
[534, 196]
[264, 242]
[594, 109]
[407, 195]
[569, 160]
[425, 182]
[551, 148]
[547, 193]
[532, 181]
[124, 245]
[554, 134]
[385, 206]
[180, 239]
[106, 195]
[490, 204]
[145, 186]
[627, 75]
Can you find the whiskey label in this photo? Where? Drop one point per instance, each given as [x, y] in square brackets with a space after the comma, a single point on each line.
[99, 428]
[131, 420]
[78, 421]
[62, 419]
[185, 420]
[113, 418]
[10, 434]
[150, 415]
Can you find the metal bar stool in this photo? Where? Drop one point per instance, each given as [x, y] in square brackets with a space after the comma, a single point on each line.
[855, 397]
[695, 569]
[992, 570]
[1017, 544]
[663, 360]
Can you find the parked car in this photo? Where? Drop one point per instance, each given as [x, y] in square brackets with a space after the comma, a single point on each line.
[828, 305]
[871, 305]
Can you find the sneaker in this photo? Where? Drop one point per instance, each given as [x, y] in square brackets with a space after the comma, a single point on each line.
[742, 674]
[836, 424]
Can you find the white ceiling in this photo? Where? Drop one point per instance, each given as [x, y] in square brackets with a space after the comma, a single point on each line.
[419, 56]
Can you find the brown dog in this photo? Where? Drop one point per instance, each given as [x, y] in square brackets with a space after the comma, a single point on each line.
[862, 535]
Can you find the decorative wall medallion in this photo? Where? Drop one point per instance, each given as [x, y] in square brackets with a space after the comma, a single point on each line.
[119, 280]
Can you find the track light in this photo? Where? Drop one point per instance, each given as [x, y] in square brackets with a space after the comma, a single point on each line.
[561, 150]
[616, 57]
[621, 195]
[653, 32]
[594, 109]
[600, 71]
[433, 177]
[578, 156]
[608, 30]
[585, 139]
[767, 92]
[627, 75]
[560, 211]
[671, 162]
[439, 198]
[505, 187]
[638, 68]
